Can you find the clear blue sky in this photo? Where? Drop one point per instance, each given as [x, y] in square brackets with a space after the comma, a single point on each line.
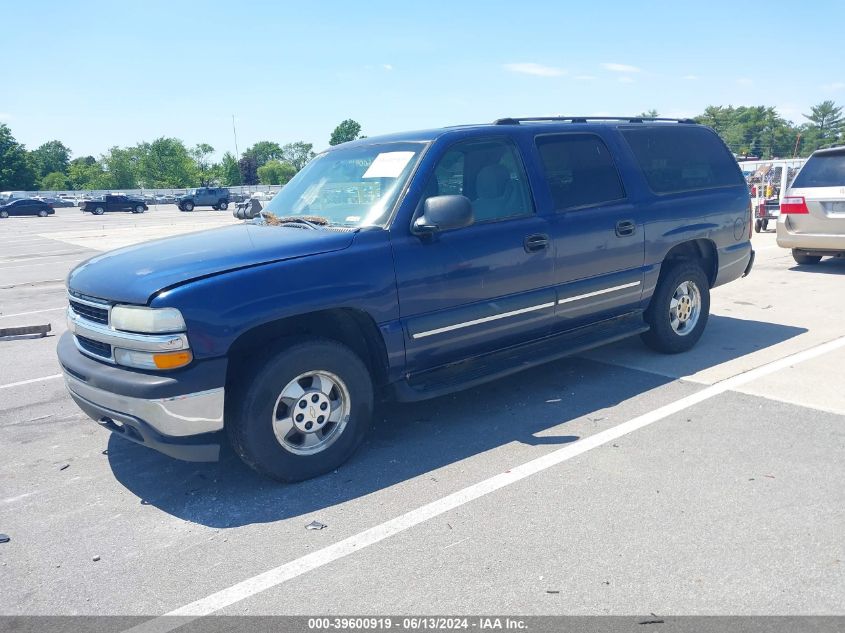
[98, 74]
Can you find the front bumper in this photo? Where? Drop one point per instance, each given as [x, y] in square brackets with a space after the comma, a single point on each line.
[180, 418]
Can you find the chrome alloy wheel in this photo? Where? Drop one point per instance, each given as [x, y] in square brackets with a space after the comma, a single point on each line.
[685, 308]
[311, 412]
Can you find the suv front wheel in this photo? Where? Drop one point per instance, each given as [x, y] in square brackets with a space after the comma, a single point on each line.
[678, 310]
[223, 205]
[303, 411]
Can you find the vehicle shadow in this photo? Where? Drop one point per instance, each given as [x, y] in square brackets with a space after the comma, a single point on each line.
[827, 266]
[409, 440]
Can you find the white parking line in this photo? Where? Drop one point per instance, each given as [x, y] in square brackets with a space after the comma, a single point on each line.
[17, 314]
[29, 259]
[30, 381]
[73, 260]
[356, 543]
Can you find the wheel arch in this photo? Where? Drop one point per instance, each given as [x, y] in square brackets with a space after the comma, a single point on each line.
[701, 249]
[354, 328]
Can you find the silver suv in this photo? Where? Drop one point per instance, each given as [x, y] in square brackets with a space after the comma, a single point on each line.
[812, 213]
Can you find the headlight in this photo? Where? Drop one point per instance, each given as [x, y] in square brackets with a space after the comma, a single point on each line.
[152, 360]
[147, 320]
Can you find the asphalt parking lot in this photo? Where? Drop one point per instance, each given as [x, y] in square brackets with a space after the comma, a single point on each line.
[618, 482]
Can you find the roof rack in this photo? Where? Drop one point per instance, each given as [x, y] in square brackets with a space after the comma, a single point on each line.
[584, 119]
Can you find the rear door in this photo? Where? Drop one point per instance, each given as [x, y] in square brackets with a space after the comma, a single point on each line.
[597, 232]
[821, 182]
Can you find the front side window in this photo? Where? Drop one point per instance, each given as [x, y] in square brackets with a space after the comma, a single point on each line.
[579, 170]
[354, 186]
[489, 173]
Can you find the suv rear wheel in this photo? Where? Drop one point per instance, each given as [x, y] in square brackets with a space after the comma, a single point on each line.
[303, 411]
[679, 309]
[803, 259]
[223, 205]
[138, 209]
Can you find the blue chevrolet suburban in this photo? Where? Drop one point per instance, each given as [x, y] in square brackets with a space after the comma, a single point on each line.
[406, 266]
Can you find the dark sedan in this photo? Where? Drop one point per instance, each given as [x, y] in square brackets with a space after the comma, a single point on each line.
[26, 207]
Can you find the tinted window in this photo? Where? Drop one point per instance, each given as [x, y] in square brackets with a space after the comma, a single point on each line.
[683, 158]
[823, 170]
[579, 170]
[489, 173]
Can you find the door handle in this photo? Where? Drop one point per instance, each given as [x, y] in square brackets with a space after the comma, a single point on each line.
[624, 228]
[536, 242]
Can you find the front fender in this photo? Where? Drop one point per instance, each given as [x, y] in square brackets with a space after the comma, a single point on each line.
[220, 308]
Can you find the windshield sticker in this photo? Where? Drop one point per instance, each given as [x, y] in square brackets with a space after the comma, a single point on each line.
[388, 165]
[353, 218]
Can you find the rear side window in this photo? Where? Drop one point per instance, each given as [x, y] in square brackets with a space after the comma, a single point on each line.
[822, 170]
[683, 158]
[579, 170]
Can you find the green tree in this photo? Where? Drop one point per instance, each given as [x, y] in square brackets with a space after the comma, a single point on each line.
[165, 163]
[298, 154]
[86, 173]
[347, 130]
[275, 172]
[121, 165]
[264, 151]
[752, 130]
[200, 154]
[248, 167]
[826, 124]
[227, 170]
[50, 157]
[649, 114]
[54, 181]
[16, 172]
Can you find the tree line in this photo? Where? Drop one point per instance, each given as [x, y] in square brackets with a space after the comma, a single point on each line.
[161, 164]
[758, 131]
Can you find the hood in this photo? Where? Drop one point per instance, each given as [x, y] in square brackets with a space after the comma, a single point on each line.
[135, 273]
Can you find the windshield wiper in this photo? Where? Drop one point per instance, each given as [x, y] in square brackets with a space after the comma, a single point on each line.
[311, 221]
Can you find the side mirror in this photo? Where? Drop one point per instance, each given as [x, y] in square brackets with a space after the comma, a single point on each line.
[441, 213]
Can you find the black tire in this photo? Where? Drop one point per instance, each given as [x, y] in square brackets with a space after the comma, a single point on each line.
[42, 213]
[138, 209]
[251, 409]
[223, 205]
[764, 224]
[215, 207]
[4, 214]
[803, 259]
[662, 337]
[758, 225]
[98, 211]
[188, 206]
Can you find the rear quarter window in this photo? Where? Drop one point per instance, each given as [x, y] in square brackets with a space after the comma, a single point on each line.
[822, 170]
[683, 158]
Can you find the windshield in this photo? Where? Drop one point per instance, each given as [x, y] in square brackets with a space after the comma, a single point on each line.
[822, 170]
[349, 187]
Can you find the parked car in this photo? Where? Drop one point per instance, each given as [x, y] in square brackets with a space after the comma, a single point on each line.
[56, 202]
[215, 197]
[812, 212]
[409, 266]
[26, 206]
[115, 203]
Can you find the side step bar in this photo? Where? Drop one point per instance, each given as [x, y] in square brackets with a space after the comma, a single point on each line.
[480, 369]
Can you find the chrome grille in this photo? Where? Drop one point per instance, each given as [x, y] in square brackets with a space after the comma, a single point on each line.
[90, 312]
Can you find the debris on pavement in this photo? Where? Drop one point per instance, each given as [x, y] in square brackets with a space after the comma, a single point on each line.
[96, 558]
[552, 590]
[315, 525]
[5, 538]
[63, 466]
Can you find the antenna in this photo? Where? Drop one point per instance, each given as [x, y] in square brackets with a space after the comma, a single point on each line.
[237, 152]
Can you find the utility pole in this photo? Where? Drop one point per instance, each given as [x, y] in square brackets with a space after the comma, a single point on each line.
[797, 141]
[237, 153]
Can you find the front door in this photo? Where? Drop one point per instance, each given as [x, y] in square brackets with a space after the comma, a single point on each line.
[483, 287]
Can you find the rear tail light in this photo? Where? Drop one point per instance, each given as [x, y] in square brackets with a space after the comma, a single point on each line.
[750, 219]
[794, 205]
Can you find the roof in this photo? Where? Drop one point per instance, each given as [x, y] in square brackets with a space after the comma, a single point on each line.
[532, 123]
